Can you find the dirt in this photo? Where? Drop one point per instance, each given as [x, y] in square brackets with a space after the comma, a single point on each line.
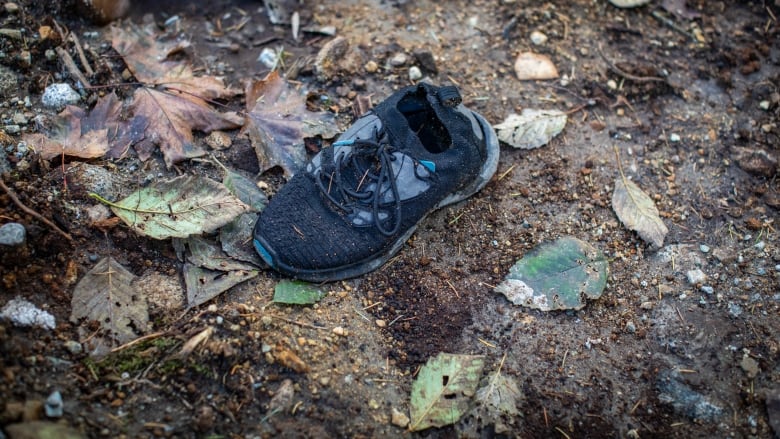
[685, 102]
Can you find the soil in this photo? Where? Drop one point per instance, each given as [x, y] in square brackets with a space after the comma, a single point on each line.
[684, 97]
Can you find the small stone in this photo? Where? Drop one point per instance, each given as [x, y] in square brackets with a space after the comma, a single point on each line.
[696, 276]
[373, 404]
[647, 305]
[59, 95]
[704, 248]
[734, 310]
[750, 366]
[12, 129]
[19, 119]
[764, 105]
[538, 38]
[398, 60]
[674, 137]
[73, 347]
[12, 234]
[414, 73]
[324, 380]
[23, 313]
[371, 67]
[706, 289]
[338, 330]
[268, 57]
[630, 327]
[426, 60]
[53, 405]
[11, 8]
[398, 418]
[381, 323]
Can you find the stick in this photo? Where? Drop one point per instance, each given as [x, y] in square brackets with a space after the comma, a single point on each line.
[626, 74]
[31, 212]
[82, 57]
[72, 67]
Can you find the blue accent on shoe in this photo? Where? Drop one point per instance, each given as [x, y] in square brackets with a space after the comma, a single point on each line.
[264, 253]
[429, 165]
[344, 142]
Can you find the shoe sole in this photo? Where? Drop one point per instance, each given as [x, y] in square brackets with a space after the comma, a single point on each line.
[363, 267]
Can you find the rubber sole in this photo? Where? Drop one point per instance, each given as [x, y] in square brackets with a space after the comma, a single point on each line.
[362, 267]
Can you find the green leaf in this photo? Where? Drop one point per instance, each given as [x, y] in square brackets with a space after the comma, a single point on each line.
[637, 211]
[185, 206]
[295, 292]
[558, 275]
[443, 389]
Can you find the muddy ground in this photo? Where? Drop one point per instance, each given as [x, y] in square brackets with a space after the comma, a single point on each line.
[687, 95]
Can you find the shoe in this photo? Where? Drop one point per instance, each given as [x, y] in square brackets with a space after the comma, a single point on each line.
[358, 201]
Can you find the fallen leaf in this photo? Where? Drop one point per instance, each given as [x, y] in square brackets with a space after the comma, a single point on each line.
[530, 65]
[282, 400]
[558, 275]
[294, 292]
[245, 189]
[235, 241]
[532, 128]
[170, 120]
[496, 405]
[278, 122]
[78, 134]
[443, 389]
[149, 57]
[181, 207]
[105, 295]
[204, 284]
[206, 254]
[637, 212]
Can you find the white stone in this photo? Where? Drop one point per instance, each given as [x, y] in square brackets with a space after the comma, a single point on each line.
[23, 313]
[59, 95]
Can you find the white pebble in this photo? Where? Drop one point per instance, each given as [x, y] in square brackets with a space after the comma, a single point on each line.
[59, 95]
[23, 313]
[695, 276]
[674, 137]
[414, 73]
[538, 38]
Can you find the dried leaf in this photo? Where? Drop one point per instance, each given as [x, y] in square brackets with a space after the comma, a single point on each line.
[106, 296]
[187, 205]
[203, 284]
[496, 405]
[558, 275]
[532, 128]
[78, 134]
[195, 341]
[170, 119]
[290, 359]
[443, 389]
[233, 237]
[637, 212]
[148, 57]
[209, 255]
[279, 121]
[529, 65]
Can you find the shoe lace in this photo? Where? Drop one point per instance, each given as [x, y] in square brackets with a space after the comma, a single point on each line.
[370, 160]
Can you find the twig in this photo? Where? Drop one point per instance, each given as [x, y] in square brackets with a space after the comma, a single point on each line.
[72, 67]
[138, 340]
[82, 57]
[305, 325]
[563, 433]
[657, 15]
[627, 75]
[31, 212]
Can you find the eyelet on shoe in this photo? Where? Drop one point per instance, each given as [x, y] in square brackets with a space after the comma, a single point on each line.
[449, 96]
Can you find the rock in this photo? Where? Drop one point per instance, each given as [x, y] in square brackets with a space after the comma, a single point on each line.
[53, 405]
[9, 83]
[92, 178]
[204, 418]
[530, 66]
[695, 276]
[755, 161]
[268, 57]
[704, 248]
[629, 3]
[23, 313]
[399, 418]
[338, 330]
[42, 430]
[538, 38]
[331, 57]
[398, 60]
[414, 73]
[685, 400]
[12, 234]
[371, 67]
[218, 140]
[426, 60]
[58, 95]
[750, 366]
[73, 347]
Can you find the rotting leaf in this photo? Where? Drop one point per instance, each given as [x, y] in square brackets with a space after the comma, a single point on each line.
[637, 211]
[203, 284]
[279, 121]
[171, 117]
[210, 255]
[235, 238]
[77, 133]
[532, 128]
[443, 389]
[245, 189]
[497, 402]
[105, 295]
[295, 292]
[181, 207]
[557, 275]
[149, 57]
[194, 341]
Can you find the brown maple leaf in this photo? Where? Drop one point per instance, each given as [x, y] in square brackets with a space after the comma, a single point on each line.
[279, 121]
[170, 117]
[149, 57]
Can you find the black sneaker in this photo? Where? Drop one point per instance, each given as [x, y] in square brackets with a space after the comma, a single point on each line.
[358, 201]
